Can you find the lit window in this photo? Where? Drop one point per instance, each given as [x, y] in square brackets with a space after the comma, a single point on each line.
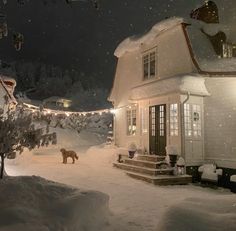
[174, 127]
[187, 120]
[144, 120]
[192, 118]
[227, 50]
[131, 122]
[197, 131]
[149, 65]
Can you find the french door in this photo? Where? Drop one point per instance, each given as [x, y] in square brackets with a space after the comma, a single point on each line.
[157, 129]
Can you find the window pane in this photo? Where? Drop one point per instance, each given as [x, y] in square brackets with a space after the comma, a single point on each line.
[145, 70]
[152, 63]
[149, 65]
[152, 68]
[174, 128]
[131, 121]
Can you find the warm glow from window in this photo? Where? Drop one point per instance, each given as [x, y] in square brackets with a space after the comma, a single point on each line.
[131, 121]
[174, 125]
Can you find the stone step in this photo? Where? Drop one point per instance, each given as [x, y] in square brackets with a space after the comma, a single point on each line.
[153, 158]
[144, 163]
[143, 170]
[162, 179]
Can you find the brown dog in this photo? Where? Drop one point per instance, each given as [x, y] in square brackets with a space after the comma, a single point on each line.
[66, 154]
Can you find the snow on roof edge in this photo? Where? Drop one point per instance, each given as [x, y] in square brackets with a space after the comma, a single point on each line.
[132, 43]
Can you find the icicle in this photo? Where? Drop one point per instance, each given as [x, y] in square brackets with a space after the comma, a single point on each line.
[4, 2]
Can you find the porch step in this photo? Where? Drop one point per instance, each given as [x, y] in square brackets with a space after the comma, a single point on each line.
[144, 170]
[144, 163]
[162, 179]
[153, 158]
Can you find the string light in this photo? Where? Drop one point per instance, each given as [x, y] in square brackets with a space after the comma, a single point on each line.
[46, 111]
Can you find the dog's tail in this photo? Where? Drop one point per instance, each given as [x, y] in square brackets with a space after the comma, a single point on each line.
[76, 157]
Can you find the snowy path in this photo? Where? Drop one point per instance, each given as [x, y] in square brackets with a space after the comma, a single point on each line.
[138, 206]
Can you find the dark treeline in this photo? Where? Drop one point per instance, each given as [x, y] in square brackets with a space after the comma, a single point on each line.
[39, 81]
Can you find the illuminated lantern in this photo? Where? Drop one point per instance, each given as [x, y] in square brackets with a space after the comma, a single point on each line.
[180, 165]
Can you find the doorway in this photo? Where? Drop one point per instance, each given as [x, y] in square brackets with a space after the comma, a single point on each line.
[157, 129]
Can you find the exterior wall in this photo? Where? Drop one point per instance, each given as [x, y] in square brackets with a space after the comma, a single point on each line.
[128, 75]
[220, 123]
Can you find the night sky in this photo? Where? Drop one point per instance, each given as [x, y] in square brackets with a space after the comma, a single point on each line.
[80, 37]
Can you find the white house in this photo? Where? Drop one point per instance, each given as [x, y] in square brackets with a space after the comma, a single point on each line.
[7, 99]
[57, 102]
[176, 85]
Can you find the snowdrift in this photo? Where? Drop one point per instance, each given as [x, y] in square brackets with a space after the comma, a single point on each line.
[35, 204]
[201, 214]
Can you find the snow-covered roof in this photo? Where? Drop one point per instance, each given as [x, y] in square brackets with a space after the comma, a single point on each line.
[202, 48]
[133, 43]
[191, 83]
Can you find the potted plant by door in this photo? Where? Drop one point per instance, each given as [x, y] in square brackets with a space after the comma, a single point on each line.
[171, 151]
[132, 149]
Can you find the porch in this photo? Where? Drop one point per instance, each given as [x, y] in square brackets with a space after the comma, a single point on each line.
[152, 169]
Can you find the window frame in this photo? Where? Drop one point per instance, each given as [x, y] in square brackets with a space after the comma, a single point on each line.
[147, 59]
[174, 119]
[144, 120]
[193, 121]
[131, 121]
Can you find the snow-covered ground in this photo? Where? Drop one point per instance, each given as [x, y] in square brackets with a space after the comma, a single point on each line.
[135, 205]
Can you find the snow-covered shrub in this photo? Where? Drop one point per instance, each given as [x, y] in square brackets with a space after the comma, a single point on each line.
[132, 147]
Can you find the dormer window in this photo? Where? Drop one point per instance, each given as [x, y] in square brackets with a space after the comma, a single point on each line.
[228, 50]
[149, 64]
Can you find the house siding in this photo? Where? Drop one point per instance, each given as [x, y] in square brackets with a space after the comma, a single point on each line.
[220, 123]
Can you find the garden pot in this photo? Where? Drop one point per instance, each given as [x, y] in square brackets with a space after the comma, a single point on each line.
[131, 154]
[173, 159]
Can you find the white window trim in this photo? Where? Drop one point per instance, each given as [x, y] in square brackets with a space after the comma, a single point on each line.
[144, 120]
[193, 128]
[148, 52]
[174, 120]
[133, 130]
